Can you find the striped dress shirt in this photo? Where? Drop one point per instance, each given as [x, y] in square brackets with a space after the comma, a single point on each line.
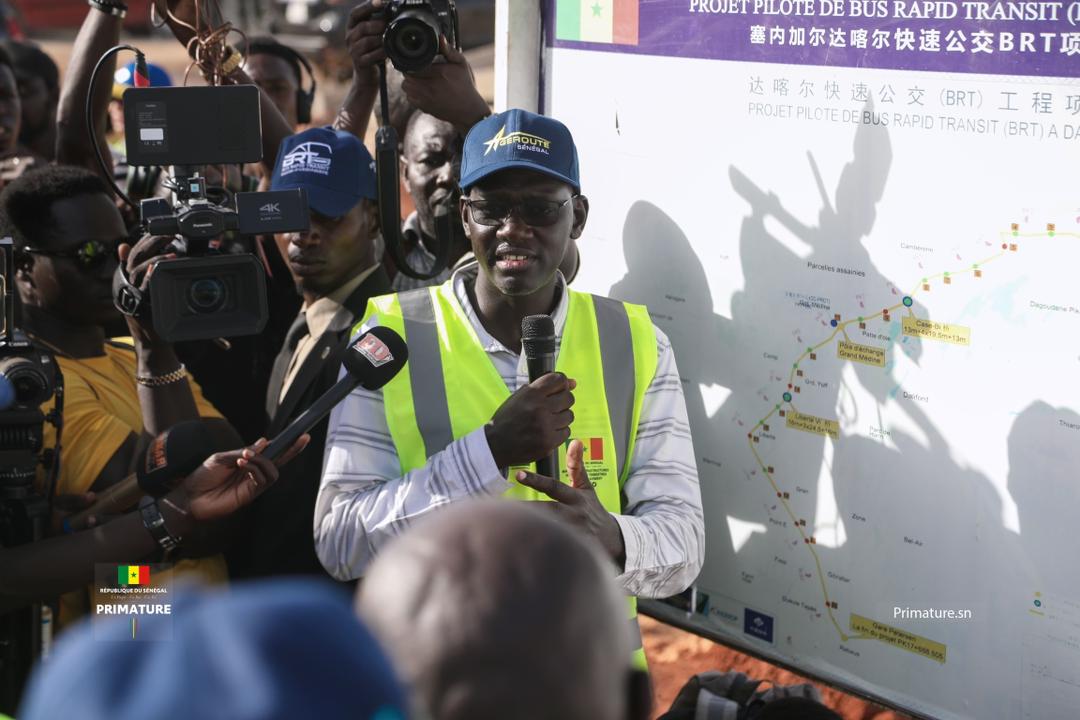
[364, 500]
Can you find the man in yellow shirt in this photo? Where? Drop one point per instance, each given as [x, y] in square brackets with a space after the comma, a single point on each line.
[118, 396]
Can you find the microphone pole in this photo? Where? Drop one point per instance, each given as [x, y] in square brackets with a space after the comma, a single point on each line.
[372, 361]
[539, 343]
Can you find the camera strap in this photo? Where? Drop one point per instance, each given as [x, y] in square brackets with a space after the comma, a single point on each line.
[387, 171]
[127, 298]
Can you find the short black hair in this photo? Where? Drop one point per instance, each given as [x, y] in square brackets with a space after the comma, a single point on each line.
[32, 59]
[263, 45]
[26, 203]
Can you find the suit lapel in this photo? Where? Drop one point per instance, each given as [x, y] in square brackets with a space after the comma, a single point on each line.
[325, 357]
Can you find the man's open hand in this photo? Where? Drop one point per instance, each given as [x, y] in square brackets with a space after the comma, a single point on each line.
[578, 504]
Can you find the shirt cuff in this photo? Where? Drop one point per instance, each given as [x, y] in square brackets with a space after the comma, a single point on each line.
[483, 462]
[631, 547]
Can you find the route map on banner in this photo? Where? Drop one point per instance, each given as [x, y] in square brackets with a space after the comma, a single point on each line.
[858, 221]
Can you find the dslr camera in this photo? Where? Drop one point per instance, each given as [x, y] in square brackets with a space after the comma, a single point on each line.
[212, 291]
[412, 31]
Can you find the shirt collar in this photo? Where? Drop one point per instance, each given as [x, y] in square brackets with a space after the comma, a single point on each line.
[329, 311]
[466, 274]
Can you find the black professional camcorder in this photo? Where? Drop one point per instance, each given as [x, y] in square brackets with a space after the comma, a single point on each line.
[28, 379]
[210, 292]
[413, 28]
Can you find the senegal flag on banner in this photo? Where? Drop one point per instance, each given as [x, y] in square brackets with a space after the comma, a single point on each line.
[598, 21]
[132, 575]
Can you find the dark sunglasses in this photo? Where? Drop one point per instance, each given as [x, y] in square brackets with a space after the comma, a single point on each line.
[89, 254]
[537, 213]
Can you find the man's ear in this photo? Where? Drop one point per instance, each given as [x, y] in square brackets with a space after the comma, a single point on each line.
[24, 265]
[581, 215]
[463, 205]
[371, 217]
[639, 699]
[404, 173]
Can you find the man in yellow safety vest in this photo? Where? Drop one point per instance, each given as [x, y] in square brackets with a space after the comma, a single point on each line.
[463, 420]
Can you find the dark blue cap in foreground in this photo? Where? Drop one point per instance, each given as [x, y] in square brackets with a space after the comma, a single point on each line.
[283, 649]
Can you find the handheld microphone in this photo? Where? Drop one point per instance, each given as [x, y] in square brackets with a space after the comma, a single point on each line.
[171, 456]
[372, 361]
[538, 341]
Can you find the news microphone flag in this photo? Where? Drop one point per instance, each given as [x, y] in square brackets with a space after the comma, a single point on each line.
[127, 575]
[597, 21]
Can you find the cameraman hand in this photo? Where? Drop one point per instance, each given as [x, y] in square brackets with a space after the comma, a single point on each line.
[224, 483]
[447, 90]
[363, 37]
[138, 263]
[532, 422]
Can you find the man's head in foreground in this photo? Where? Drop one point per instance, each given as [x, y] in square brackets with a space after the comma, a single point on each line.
[496, 609]
[280, 649]
[338, 174]
[522, 201]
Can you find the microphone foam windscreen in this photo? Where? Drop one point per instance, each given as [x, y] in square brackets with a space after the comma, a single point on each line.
[538, 335]
[172, 455]
[376, 357]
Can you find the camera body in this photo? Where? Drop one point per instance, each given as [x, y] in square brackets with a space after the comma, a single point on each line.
[209, 293]
[412, 31]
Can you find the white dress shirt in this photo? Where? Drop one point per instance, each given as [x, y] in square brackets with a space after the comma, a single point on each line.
[364, 500]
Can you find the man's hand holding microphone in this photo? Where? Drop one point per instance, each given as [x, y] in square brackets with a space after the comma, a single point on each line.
[531, 426]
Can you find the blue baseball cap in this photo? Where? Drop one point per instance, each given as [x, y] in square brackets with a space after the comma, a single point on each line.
[332, 165]
[519, 139]
[285, 648]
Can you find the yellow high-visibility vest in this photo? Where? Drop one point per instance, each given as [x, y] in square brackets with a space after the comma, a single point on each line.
[449, 387]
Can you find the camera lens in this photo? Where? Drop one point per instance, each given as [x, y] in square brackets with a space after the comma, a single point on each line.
[207, 295]
[28, 381]
[412, 40]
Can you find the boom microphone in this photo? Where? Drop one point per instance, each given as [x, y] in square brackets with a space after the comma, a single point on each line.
[538, 341]
[171, 456]
[371, 362]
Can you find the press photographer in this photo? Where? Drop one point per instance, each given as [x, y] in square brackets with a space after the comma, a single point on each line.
[430, 108]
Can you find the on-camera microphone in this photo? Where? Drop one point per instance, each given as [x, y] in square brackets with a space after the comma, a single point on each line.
[371, 361]
[171, 456]
[539, 342]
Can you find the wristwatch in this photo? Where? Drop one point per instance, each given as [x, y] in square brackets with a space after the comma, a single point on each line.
[155, 524]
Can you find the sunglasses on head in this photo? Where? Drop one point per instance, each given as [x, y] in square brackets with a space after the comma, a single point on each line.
[88, 254]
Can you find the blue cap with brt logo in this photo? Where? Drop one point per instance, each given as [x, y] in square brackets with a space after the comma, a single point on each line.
[519, 139]
[332, 165]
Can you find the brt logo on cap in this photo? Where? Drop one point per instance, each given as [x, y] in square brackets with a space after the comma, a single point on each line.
[374, 350]
[524, 140]
[313, 157]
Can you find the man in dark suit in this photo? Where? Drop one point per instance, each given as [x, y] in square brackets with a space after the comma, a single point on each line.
[336, 270]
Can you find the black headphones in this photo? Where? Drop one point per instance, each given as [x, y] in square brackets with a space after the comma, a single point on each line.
[304, 98]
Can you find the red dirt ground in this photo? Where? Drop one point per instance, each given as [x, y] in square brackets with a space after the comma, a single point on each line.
[675, 655]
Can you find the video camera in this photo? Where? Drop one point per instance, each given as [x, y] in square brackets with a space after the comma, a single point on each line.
[29, 378]
[209, 292]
